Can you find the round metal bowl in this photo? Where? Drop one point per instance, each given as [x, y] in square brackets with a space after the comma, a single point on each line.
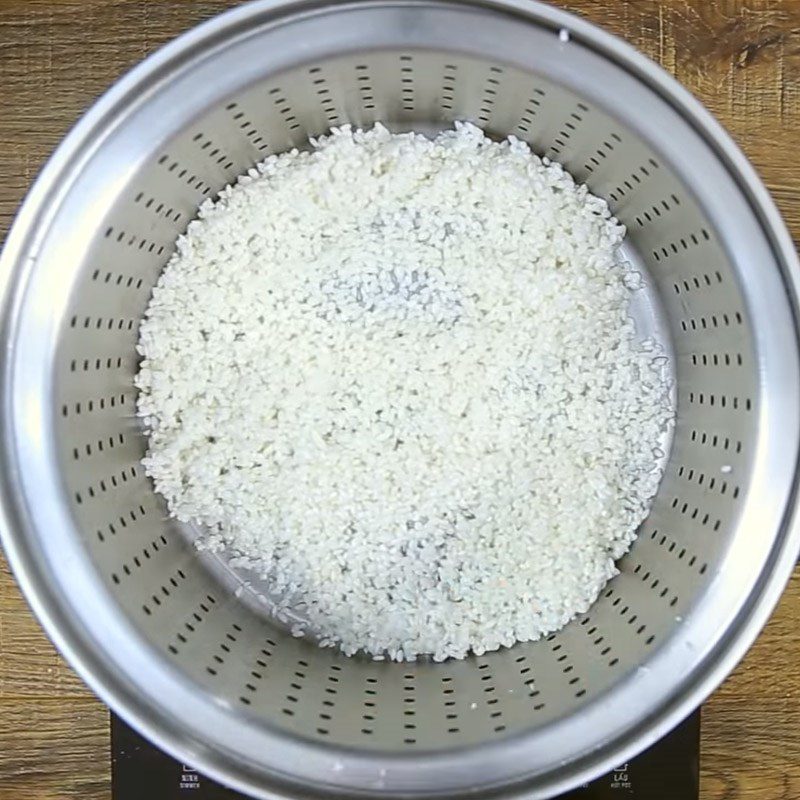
[176, 642]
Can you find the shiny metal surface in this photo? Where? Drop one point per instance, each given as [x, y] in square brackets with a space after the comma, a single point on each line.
[162, 637]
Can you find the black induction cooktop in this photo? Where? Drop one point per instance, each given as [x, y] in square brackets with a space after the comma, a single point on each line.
[670, 770]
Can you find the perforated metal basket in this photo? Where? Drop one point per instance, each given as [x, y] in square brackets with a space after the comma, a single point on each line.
[171, 640]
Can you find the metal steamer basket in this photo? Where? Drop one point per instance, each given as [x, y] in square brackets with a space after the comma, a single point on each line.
[176, 642]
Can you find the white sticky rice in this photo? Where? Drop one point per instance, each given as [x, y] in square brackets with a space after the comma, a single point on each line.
[397, 377]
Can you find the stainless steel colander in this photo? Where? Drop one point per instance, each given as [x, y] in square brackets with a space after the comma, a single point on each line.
[178, 644]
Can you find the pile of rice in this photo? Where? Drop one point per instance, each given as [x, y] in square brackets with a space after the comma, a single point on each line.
[398, 378]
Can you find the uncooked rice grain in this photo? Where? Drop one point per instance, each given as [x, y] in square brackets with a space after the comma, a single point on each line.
[397, 377]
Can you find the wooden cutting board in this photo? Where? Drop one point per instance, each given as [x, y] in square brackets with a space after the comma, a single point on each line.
[741, 57]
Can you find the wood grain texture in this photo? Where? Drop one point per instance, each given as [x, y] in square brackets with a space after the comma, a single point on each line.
[740, 57]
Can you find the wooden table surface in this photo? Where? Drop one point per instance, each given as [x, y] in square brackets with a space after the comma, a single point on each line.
[741, 57]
